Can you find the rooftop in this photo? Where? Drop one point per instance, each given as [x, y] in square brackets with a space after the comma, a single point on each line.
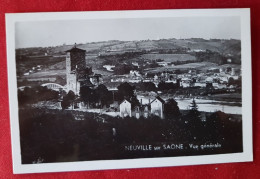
[75, 49]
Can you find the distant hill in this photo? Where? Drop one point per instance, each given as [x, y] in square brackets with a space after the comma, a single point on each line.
[226, 47]
[168, 50]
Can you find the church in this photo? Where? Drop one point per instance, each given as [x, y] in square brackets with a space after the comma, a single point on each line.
[78, 74]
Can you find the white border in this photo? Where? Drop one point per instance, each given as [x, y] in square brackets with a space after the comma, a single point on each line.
[246, 155]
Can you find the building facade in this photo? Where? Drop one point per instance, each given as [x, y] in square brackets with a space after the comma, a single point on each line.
[157, 107]
[75, 67]
[125, 109]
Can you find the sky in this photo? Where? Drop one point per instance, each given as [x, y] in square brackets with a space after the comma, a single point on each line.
[53, 33]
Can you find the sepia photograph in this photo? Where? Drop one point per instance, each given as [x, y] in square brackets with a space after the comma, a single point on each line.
[127, 87]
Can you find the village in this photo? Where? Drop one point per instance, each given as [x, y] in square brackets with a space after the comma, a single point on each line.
[115, 92]
[149, 88]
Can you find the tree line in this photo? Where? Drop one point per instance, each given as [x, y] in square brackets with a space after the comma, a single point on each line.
[57, 137]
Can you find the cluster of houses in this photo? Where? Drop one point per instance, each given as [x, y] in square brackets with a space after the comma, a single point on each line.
[155, 107]
[215, 77]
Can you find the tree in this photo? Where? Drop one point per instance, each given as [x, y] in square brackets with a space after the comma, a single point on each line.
[45, 94]
[35, 94]
[122, 69]
[125, 90]
[166, 86]
[148, 86]
[134, 102]
[25, 96]
[193, 122]
[68, 99]
[193, 115]
[171, 109]
[194, 108]
[103, 95]
[231, 81]
[86, 94]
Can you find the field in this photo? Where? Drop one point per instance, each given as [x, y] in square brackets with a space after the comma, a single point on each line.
[222, 46]
[169, 57]
[41, 63]
[200, 66]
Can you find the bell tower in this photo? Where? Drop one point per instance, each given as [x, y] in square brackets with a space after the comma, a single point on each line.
[75, 64]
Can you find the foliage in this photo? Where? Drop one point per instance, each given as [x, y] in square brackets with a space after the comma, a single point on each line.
[99, 95]
[210, 56]
[122, 69]
[126, 91]
[36, 94]
[171, 109]
[68, 100]
[232, 81]
[167, 86]
[147, 86]
[86, 94]
[55, 136]
[103, 95]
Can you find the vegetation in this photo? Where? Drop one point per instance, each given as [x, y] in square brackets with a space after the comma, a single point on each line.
[49, 135]
[99, 95]
[68, 100]
[126, 91]
[171, 109]
[55, 136]
[36, 94]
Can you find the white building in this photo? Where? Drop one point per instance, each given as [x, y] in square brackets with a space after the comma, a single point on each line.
[125, 109]
[200, 84]
[157, 107]
[185, 82]
[134, 73]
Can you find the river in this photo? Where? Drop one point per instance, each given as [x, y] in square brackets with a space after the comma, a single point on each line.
[203, 105]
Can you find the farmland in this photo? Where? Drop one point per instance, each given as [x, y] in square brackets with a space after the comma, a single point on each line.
[203, 66]
[169, 57]
[144, 56]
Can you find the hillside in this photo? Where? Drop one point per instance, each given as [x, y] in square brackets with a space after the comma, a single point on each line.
[221, 46]
[123, 54]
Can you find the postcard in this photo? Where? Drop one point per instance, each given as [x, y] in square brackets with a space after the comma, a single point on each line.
[129, 89]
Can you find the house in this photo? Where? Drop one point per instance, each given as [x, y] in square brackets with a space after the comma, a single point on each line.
[135, 81]
[135, 64]
[125, 109]
[185, 82]
[157, 107]
[163, 64]
[96, 79]
[134, 73]
[137, 112]
[200, 84]
[219, 86]
[146, 110]
[109, 67]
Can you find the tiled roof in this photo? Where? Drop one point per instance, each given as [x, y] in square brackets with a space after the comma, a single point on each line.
[75, 49]
[160, 99]
[124, 100]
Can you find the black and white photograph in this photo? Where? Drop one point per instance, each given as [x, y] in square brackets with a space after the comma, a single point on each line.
[129, 89]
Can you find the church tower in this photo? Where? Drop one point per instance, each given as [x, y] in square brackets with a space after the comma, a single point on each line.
[75, 68]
